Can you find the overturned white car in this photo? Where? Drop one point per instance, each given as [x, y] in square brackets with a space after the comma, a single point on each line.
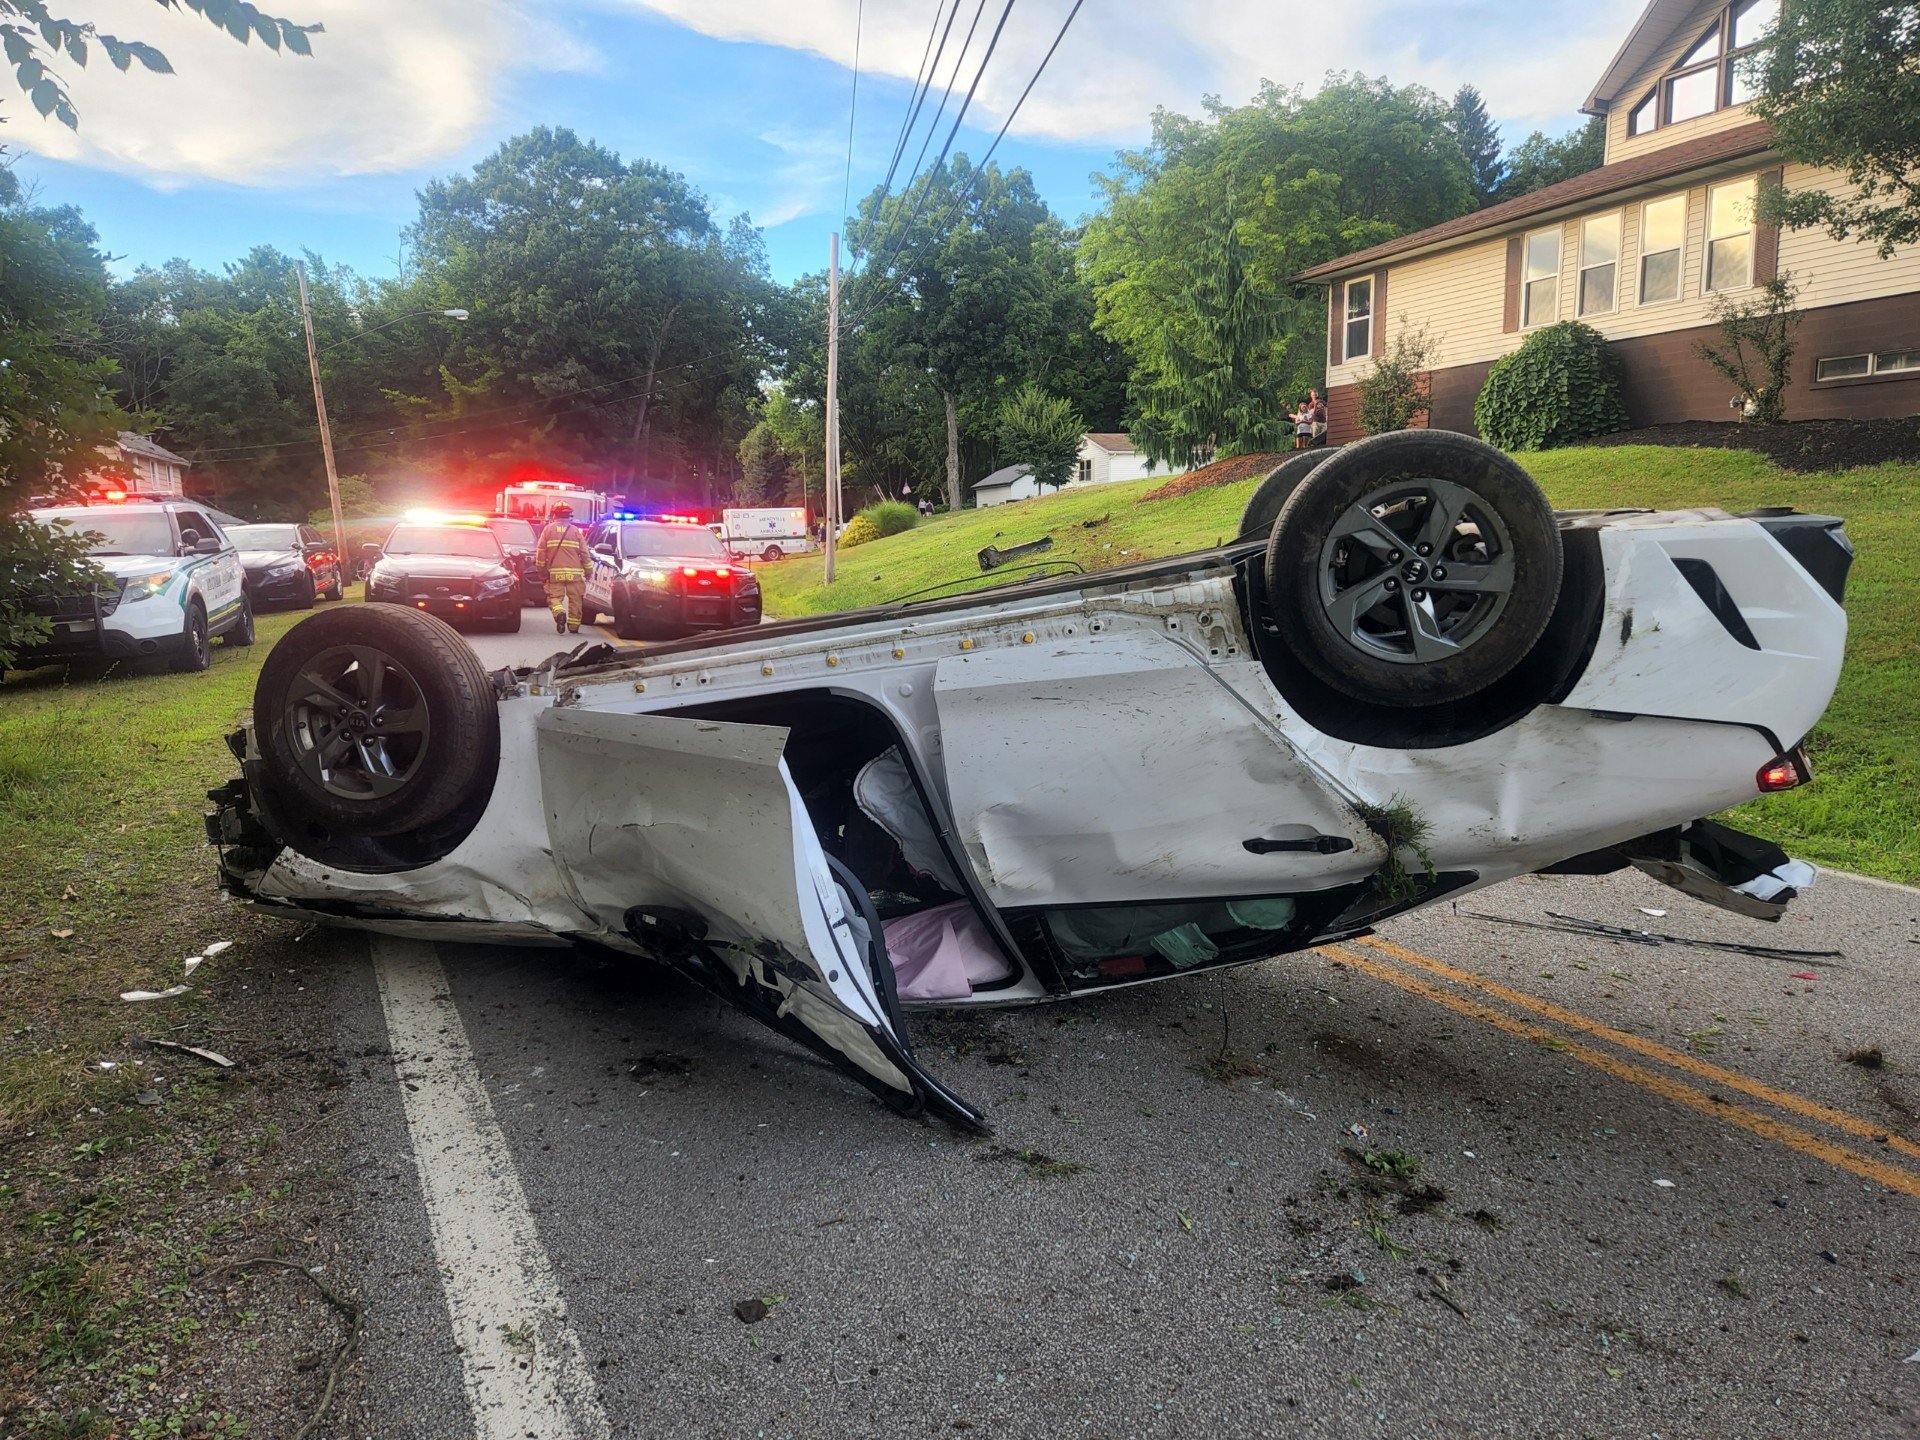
[1406, 680]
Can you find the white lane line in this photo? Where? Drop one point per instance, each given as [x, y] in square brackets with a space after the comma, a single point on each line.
[524, 1372]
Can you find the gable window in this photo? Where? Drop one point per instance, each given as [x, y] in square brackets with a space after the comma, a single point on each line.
[1359, 326]
[1599, 263]
[1540, 281]
[1715, 73]
[1663, 230]
[1730, 235]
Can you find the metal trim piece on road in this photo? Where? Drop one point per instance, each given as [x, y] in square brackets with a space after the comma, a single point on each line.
[522, 1364]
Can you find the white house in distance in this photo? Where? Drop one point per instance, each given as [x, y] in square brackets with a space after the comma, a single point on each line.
[153, 468]
[1105, 458]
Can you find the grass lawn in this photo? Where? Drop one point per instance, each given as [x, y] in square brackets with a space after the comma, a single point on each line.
[120, 1183]
[1863, 813]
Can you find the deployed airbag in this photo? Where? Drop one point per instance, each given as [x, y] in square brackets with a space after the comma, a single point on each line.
[944, 953]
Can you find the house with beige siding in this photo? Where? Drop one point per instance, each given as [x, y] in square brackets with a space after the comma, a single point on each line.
[1639, 249]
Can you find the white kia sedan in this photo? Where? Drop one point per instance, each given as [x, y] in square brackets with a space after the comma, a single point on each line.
[1407, 679]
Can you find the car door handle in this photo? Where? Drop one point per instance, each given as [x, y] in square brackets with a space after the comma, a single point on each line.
[1314, 844]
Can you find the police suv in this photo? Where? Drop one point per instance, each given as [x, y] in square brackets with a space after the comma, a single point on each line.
[172, 582]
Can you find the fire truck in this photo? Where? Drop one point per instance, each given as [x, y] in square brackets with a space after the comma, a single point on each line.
[533, 500]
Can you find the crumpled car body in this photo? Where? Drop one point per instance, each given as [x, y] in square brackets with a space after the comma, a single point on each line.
[1106, 779]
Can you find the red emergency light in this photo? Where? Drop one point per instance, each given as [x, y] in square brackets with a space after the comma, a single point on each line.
[1784, 772]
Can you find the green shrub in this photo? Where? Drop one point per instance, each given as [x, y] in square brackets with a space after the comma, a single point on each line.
[1559, 388]
[860, 529]
[1394, 392]
[890, 517]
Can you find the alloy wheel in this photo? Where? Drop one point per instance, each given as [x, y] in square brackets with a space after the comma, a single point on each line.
[358, 722]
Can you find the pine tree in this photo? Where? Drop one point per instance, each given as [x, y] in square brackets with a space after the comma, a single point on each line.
[1479, 142]
[1216, 396]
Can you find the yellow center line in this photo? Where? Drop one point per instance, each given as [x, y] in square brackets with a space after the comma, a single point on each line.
[1654, 1050]
[1725, 1111]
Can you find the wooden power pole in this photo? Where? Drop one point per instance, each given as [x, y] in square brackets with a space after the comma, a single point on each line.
[833, 400]
[326, 430]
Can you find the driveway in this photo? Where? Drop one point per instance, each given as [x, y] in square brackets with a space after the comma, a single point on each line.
[1615, 1190]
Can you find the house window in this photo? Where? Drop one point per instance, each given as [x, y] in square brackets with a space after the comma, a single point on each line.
[1359, 331]
[1085, 472]
[1599, 263]
[1893, 362]
[1663, 231]
[1715, 73]
[1540, 283]
[1844, 367]
[1730, 235]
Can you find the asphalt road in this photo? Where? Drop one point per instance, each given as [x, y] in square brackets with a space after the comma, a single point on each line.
[1652, 1197]
[535, 641]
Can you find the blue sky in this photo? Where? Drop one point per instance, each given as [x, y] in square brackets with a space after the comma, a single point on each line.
[748, 98]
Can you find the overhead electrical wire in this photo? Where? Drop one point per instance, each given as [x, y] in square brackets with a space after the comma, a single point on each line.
[960, 199]
[922, 83]
[853, 103]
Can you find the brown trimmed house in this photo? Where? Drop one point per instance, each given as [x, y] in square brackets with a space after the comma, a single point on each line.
[1637, 249]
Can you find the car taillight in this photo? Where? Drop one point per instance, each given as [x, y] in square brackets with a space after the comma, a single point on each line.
[1784, 772]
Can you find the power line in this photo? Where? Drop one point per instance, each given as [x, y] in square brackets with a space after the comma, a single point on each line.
[921, 86]
[927, 191]
[853, 103]
[967, 190]
[947, 93]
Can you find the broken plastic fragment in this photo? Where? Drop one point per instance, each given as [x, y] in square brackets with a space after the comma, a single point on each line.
[193, 964]
[1664, 1184]
[167, 994]
[215, 948]
[1649, 910]
[1358, 1131]
[61, 934]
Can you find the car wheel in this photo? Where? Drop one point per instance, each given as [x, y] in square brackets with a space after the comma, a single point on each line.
[196, 647]
[773, 553]
[507, 624]
[1263, 506]
[309, 593]
[241, 634]
[626, 625]
[1414, 568]
[376, 722]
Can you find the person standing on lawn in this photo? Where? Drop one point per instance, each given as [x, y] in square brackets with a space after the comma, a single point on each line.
[562, 553]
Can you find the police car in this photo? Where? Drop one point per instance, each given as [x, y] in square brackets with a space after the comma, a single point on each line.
[172, 582]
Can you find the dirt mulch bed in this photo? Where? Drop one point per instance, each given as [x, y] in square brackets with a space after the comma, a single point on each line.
[1803, 445]
[1220, 472]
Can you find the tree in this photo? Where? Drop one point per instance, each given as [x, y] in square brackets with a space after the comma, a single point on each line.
[1213, 394]
[1304, 179]
[1479, 142]
[800, 431]
[1839, 80]
[1041, 432]
[763, 468]
[1395, 391]
[952, 288]
[1759, 332]
[1541, 160]
[31, 36]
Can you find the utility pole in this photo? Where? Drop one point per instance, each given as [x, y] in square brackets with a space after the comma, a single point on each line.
[326, 431]
[833, 399]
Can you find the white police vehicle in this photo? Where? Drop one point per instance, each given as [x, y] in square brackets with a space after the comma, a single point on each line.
[172, 582]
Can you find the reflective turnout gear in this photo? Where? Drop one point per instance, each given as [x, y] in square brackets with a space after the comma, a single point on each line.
[562, 553]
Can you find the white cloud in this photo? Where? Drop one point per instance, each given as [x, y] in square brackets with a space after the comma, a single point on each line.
[391, 85]
[1533, 62]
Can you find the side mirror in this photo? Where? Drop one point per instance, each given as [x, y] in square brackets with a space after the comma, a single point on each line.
[606, 550]
[206, 545]
[370, 552]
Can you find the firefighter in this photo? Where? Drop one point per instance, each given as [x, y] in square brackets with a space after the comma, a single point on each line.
[562, 553]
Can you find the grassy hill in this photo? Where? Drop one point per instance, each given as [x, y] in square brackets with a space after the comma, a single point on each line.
[1863, 813]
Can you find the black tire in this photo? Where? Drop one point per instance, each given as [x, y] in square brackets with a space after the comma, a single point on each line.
[773, 553]
[336, 591]
[196, 647]
[323, 694]
[1264, 505]
[505, 624]
[309, 593]
[1364, 607]
[241, 634]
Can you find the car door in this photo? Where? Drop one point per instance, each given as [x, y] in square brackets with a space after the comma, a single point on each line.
[601, 569]
[218, 578]
[1125, 769]
[689, 836]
